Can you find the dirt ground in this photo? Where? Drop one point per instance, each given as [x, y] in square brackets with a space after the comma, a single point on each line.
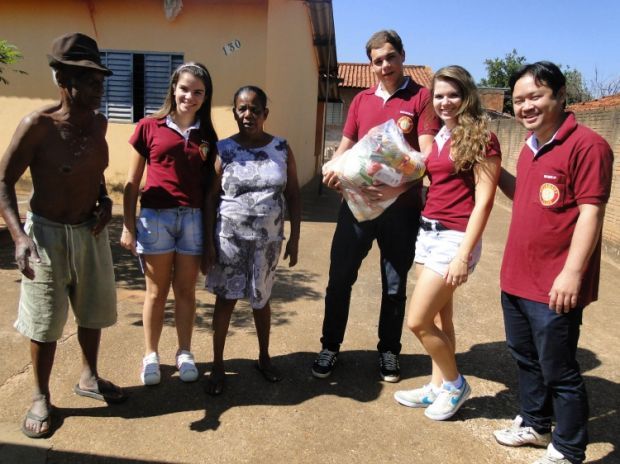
[349, 417]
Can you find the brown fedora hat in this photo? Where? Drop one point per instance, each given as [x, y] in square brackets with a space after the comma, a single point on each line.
[75, 49]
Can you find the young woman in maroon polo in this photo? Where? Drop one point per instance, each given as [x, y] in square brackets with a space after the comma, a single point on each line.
[463, 168]
[178, 143]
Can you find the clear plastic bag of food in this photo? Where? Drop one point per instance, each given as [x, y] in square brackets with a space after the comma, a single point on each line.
[381, 156]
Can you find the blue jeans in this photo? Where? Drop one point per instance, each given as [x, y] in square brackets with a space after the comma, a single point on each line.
[544, 344]
[395, 231]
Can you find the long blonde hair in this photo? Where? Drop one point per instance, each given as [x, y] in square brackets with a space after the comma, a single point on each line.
[471, 136]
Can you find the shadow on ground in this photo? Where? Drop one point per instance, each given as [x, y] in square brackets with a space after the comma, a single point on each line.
[23, 454]
[355, 378]
[290, 284]
[7, 250]
[319, 203]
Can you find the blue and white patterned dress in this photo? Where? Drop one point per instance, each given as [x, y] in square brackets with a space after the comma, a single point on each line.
[253, 182]
[250, 220]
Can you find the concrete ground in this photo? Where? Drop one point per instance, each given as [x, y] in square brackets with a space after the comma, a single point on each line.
[349, 417]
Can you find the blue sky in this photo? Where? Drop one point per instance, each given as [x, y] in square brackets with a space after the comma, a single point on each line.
[581, 34]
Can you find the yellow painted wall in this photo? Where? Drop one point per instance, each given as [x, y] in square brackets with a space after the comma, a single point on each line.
[292, 80]
[276, 54]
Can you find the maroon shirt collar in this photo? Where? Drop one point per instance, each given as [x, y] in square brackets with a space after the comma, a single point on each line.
[567, 127]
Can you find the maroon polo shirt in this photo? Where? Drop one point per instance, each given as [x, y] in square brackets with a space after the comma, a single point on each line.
[176, 171]
[410, 107]
[450, 198]
[575, 168]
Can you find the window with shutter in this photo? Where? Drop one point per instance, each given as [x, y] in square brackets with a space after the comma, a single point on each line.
[117, 102]
[157, 71]
[334, 114]
[139, 84]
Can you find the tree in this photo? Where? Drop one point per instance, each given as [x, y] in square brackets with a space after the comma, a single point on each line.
[9, 54]
[499, 71]
[600, 87]
[576, 90]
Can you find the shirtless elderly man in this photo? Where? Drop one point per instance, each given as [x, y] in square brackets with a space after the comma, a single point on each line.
[63, 250]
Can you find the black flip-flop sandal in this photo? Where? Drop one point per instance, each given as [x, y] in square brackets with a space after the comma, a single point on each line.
[271, 375]
[111, 394]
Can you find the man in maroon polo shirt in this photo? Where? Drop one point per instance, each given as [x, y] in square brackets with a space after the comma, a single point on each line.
[399, 98]
[550, 270]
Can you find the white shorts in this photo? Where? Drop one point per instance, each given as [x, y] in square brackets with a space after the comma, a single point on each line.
[437, 247]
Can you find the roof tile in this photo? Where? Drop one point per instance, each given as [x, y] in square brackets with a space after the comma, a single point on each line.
[360, 76]
[605, 102]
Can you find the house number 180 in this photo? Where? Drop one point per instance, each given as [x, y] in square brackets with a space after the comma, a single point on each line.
[231, 47]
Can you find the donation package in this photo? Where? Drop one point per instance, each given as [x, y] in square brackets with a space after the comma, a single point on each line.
[382, 156]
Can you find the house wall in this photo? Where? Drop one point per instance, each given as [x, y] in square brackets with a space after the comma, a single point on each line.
[291, 79]
[346, 95]
[607, 123]
[275, 53]
[333, 133]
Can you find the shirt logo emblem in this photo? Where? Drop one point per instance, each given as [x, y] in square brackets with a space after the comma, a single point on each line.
[549, 194]
[405, 123]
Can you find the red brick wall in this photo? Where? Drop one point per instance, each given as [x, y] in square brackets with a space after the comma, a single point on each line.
[492, 99]
[607, 123]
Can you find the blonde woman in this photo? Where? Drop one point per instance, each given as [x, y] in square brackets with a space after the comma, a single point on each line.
[463, 168]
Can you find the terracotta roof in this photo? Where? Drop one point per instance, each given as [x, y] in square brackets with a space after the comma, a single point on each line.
[360, 76]
[605, 102]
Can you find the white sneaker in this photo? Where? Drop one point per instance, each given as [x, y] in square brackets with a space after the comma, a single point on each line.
[417, 398]
[150, 374]
[552, 456]
[187, 366]
[518, 435]
[448, 402]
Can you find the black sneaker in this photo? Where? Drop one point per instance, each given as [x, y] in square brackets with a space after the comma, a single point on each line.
[324, 363]
[389, 367]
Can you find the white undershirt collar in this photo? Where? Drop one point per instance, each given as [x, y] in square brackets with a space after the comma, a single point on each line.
[385, 95]
[533, 143]
[185, 134]
[442, 137]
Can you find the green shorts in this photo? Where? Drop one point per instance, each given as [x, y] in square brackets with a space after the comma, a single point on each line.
[75, 266]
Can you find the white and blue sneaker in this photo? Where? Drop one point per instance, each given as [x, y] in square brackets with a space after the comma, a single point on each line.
[448, 402]
[418, 397]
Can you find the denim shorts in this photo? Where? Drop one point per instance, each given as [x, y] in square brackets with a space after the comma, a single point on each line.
[436, 248]
[166, 230]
